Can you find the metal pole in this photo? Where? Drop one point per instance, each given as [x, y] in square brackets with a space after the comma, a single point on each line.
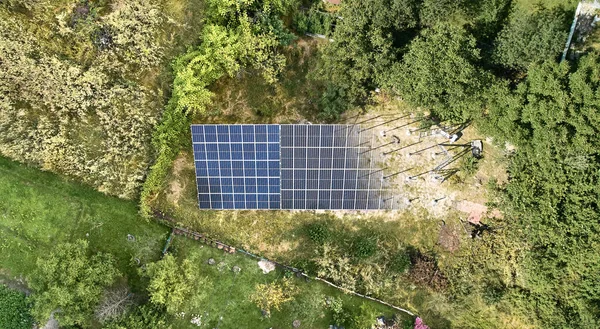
[403, 147]
[404, 125]
[421, 150]
[378, 147]
[398, 173]
[381, 124]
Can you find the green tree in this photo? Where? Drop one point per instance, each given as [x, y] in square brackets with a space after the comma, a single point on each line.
[532, 38]
[270, 296]
[551, 200]
[14, 309]
[440, 72]
[71, 282]
[174, 285]
[367, 42]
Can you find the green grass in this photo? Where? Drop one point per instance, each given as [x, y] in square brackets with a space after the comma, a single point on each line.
[39, 210]
[228, 303]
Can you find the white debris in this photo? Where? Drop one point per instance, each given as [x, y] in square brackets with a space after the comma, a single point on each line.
[266, 266]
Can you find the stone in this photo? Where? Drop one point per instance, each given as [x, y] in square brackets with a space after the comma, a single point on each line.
[266, 266]
[296, 324]
[236, 269]
[211, 261]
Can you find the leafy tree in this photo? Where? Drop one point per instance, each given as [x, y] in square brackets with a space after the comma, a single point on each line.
[270, 296]
[14, 310]
[71, 282]
[440, 72]
[367, 41]
[174, 285]
[531, 38]
[551, 199]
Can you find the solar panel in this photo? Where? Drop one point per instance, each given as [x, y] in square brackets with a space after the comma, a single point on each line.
[286, 167]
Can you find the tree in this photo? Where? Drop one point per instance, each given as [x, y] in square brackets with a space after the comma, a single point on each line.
[174, 286]
[114, 303]
[551, 201]
[270, 296]
[14, 309]
[71, 282]
[440, 72]
[531, 38]
[367, 42]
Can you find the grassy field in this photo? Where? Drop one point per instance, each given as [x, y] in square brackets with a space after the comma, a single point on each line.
[39, 210]
[228, 305]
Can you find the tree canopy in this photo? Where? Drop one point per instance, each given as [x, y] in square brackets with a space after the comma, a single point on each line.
[70, 283]
[440, 72]
[531, 38]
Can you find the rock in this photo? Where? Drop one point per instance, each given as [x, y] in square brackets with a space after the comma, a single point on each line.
[236, 269]
[296, 324]
[266, 266]
[211, 261]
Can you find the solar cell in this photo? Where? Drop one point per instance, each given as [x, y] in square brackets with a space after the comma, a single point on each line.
[286, 167]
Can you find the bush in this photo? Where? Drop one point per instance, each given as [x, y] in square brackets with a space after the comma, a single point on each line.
[364, 247]
[365, 318]
[14, 310]
[332, 103]
[340, 314]
[400, 262]
[319, 232]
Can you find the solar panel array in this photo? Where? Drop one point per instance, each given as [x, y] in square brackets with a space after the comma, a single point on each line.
[287, 167]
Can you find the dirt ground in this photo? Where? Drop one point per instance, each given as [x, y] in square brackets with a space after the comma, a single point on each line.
[408, 148]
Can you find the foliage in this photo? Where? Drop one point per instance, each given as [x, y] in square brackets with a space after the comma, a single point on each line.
[314, 20]
[554, 190]
[364, 247]
[173, 285]
[340, 314]
[440, 72]
[71, 281]
[271, 296]
[114, 303]
[359, 62]
[532, 37]
[72, 119]
[309, 307]
[400, 262]
[143, 317]
[319, 232]
[134, 26]
[365, 318]
[14, 309]
[332, 103]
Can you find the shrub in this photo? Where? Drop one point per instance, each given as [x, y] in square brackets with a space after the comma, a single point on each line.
[364, 247]
[14, 310]
[365, 318]
[400, 262]
[319, 232]
[340, 314]
[272, 295]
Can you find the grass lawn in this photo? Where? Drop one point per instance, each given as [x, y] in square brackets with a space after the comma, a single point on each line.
[39, 210]
[227, 294]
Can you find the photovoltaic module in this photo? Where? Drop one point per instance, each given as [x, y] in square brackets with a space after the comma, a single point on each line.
[286, 167]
